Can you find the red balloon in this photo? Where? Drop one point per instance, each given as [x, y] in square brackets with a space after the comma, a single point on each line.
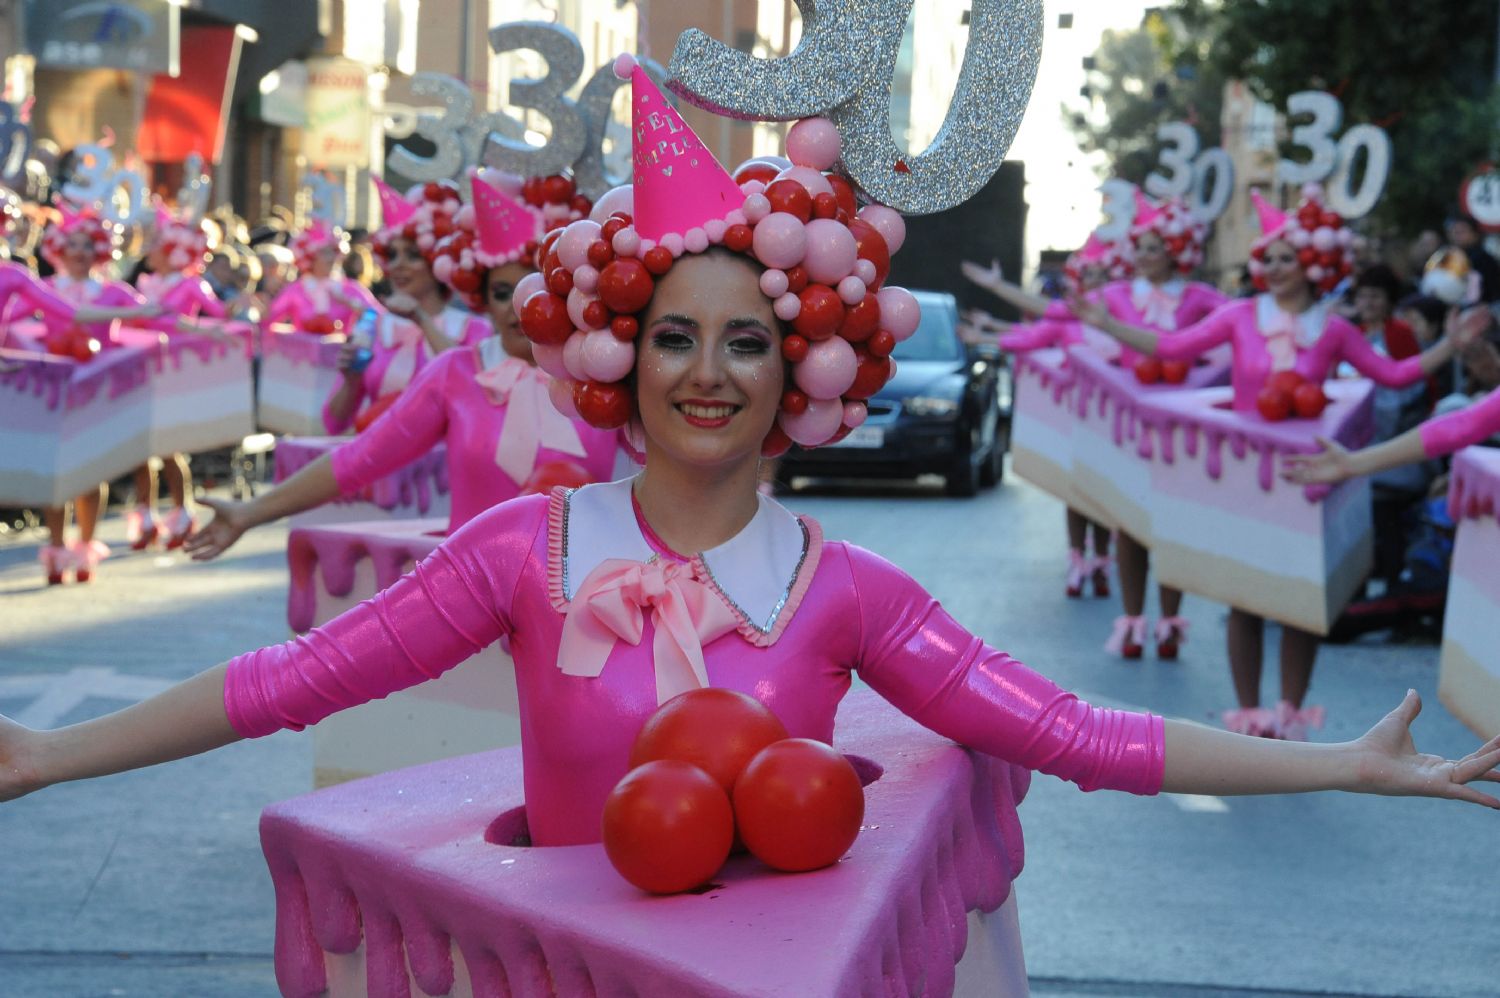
[544, 319]
[318, 324]
[1287, 381]
[546, 477]
[794, 402]
[843, 193]
[764, 172]
[433, 191]
[1174, 372]
[606, 406]
[1309, 401]
[559, 281]
[794, 348]
[600, 253]
[624, 327]
[776, 443]
[1331, 219]
[822, 312]
[625, 285]
[442, 226]
[1307, 256]
[532, 190]
[791, 197]
[611, 226]
[581, 204]
[717, 730]
[557, 189]
[869, 377]
[1273, 405]
[595, 315]
[658, 260]
[861, 320]
[738, 238]
[83, 347]
[825, 205]
[668, 827]
[870, 245]
[1148, 370]
[882, 343]
[796, 279]
[798, 805]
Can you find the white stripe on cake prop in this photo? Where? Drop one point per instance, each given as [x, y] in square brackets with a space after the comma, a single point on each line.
[1041, 433]
[1469, 670]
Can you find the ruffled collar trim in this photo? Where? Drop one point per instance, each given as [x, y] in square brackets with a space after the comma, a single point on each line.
[1270, 319]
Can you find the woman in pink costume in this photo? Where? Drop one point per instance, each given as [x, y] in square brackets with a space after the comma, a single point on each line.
[488, 402]
[417, 322]
[1052, 325]
[320, 301]
[76, 247]
[1284, 328]
[609, 614]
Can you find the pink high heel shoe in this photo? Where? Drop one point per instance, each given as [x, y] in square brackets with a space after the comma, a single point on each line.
[1257, 722]
[1293, 723]
[141, 527]
[1128, 639]
[54, 560]
[1078, 568]
[1098, 571]
[1171, 632]
[176, 526]
[86, 557]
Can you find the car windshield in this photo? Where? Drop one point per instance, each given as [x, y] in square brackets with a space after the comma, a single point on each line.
[936, 337]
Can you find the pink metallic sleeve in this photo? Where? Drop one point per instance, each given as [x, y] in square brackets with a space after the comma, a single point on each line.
[1201, 337]
[284, 307]
[917, 657]
[408, 429]
[1468, 426]
[1030, 336]
[1371, 363]
[455, 602]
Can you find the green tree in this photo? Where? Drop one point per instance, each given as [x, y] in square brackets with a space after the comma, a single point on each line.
[1424, 72]
[1142, 78]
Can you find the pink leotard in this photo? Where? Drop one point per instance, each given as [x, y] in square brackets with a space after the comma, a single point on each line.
[309, 296]
[1056, 327]
[808, 614]
[23, 294]
[1266, 339]
[1164, 308]
[400, 351]
[1468, 426]
[100, 294]
[445, 402]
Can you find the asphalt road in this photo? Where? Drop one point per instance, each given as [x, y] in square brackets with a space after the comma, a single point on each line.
[152, 883]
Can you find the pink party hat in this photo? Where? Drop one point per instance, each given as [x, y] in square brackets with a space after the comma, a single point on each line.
[1272, 218]
[679, 185]
[504, 227]
[317, 231]
[163, 217]
[1093, 249]
[394, 209]
[1146, 211]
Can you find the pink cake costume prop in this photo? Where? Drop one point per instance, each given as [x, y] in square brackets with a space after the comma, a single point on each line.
[318, 293]
[1469, 667]
[605, 622]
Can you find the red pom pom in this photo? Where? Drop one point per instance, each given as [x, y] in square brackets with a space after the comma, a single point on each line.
[796, 279]
[544, 319]
[600, 253]
[791, 197]
[1309, 401]
[611, 226]
[465, 282]
[882, 343]
[738, 238]
[658, 260]
[532, 191]
[1148, 370]
[843, 192]
[550, 261]
[870, 245]
[764, 172]
[794, 348]
[559, 281]
[595, 315]
[1274, 405]
[776, 443]
[861, 320]
[869, 377]
[623, 216]
[794, 402]
[433, 191]
[606, 406]
[1307, 256]
[825, 205]
[625, 286]
[581, 204]
[624, 327]
[822, 312]
[1331, 219]
[556, 189]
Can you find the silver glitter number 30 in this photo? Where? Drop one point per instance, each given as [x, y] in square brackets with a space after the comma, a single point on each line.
[454, 133]
[843, 68]
[545, 96]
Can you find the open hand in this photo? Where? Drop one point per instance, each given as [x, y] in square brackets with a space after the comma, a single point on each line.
[1391, 765]
[1466, 327]
[986, 277]
[1086, 310]
[231, 519]
[1327, 467]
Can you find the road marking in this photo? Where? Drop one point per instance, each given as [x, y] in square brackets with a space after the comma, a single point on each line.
[57, 694]
[1199, 803]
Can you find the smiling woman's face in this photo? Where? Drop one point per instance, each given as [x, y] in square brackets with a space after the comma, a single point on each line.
[709, 373]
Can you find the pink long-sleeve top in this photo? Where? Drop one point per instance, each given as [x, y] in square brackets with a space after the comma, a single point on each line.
[1266, 339]
[796, 618]
[183, 295]
[467, 398]
[24, 294]
[1055, 327]
[310, 296]
[1164, 308]
[1466, 427]
[98, 293]
[400, 351]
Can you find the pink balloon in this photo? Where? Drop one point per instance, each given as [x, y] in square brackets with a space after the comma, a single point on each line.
[606, 358]
[852, 290]
[813, 142]
[573, 358]
[773, 283]
[672, 242]
[525, 288]
[442, 268]
[787, 307]
[715, 227]
[865, 271]
[756, 207]
[780, 240]
[820, 421]
[695, 240]
[888, 222]
[831, 251]
[627, 242]
[586, 279]
[573, 245]
[464, 219]
[1324, 239]
[616, 199]
[855, 413]
[549, 357]
[812, 179]
[577, 302]
[828, 370]
[899, 312]
[560, 391]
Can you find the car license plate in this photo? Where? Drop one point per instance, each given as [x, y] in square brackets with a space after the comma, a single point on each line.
[864, 438]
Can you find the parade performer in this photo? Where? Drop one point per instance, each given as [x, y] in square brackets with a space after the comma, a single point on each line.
[417, 322]
[487, 403]
[1095, 264]
[1285, 328]
[321, 300]
[765, 606]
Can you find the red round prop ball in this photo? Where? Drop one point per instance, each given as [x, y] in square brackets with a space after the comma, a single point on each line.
[798, 805]
[668, 827]
[717, 730]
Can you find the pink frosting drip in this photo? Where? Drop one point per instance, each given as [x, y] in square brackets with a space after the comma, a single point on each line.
[336, 551]
[1050, 368]
[302, 348]
[70, 385]
[1474, 484]
[405, 862]
[1118, 394]
[414, 485]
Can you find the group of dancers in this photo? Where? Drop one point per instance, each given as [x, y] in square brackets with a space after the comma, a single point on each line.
[705, 320]
[1288, 325]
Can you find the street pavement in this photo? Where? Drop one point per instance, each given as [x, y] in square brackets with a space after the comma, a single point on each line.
[152, 883]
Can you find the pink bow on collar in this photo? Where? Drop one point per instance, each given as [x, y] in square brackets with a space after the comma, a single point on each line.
[1159, 309]
[1281, 341]
[610, 605]
[405, 337]
[531, 420]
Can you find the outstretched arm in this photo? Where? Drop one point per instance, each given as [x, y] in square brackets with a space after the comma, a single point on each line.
[1335, 463]
[1093, 313]
[310, 486]
[989, 278]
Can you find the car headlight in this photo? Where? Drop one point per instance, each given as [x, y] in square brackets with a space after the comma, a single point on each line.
[928, 406]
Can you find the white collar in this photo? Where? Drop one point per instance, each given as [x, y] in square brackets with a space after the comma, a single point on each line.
[760, 573]
[1141, 289]
[1269, 317]
[492, 354]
